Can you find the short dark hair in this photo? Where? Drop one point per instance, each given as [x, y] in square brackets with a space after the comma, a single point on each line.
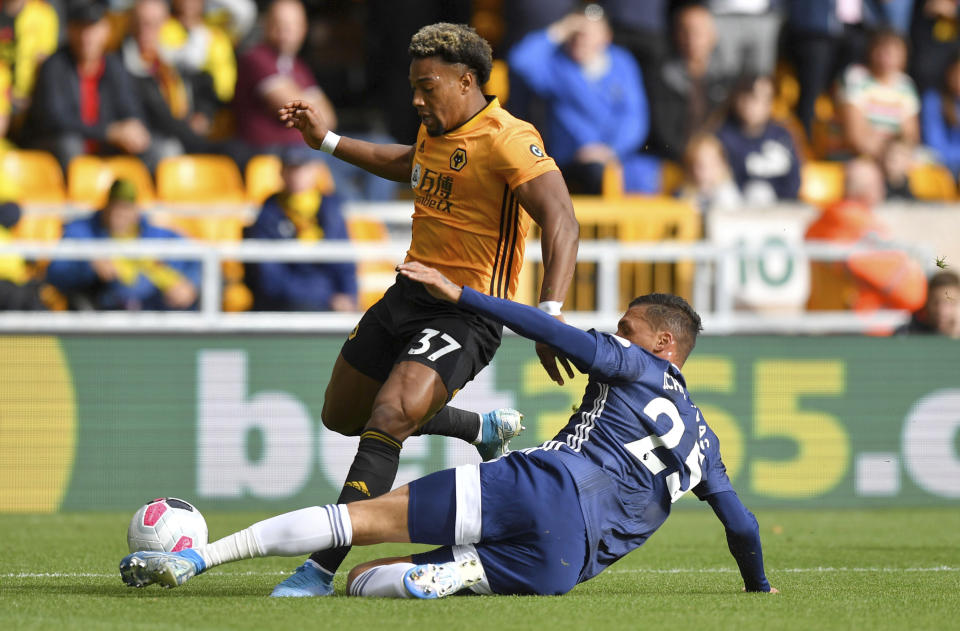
[673, 313]
[943, 279]
[455, 44]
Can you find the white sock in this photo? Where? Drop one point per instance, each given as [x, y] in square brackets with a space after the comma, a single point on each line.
[479, 438]
[383, 581]
[291, 534]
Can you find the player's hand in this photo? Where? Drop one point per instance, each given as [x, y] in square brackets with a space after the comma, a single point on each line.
[438, 285]
[549, 359]
[304, 116]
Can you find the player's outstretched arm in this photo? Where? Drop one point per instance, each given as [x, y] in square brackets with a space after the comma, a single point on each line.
[547, 201]
[530, 322]
[392, 162]
[743, 539]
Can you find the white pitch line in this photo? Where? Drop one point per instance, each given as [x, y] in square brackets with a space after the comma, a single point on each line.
[716, 570]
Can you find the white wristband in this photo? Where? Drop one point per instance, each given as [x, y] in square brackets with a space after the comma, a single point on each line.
[550, 307]
[329, 143]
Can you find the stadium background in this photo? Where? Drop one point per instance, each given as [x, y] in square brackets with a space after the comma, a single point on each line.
[100, 414]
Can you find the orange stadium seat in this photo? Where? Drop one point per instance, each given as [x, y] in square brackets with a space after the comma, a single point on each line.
[373, 277]
[611, 187]
[36, 174]
[89, 178]
[499, 82]
[671, 177]
[821, 182]
[932, 182]
[32, 227]
[200, 179]
[263, 178]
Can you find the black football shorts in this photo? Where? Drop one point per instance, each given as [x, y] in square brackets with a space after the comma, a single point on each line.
[408, 324]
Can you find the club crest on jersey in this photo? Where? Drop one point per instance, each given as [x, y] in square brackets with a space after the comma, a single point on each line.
[415, 176]
[537, 151]
[458, 159]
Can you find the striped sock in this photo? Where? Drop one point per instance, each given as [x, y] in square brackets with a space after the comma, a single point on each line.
[384, 581]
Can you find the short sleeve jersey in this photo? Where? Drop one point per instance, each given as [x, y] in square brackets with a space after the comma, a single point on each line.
[467, 220]
[886, 105]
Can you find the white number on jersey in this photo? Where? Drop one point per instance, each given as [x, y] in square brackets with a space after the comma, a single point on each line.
[642, 449]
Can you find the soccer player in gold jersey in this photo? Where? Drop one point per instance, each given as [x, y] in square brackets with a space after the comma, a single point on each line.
[478, 176]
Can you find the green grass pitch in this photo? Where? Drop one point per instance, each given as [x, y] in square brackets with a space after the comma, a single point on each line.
[876, 569]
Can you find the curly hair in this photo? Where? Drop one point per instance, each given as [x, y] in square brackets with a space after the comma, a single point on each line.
[666, 311]
[455, 44]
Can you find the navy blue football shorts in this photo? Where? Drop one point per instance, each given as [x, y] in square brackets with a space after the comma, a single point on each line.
[520, 516]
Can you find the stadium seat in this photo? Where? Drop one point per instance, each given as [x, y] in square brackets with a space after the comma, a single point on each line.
[611, 187]
[89, 179]
[499, 82]
[200, 179]
[35, 227]
[821, 182]
[933, 183]
[373, 277]
[263, 178]
[671, 177]
[36, 174]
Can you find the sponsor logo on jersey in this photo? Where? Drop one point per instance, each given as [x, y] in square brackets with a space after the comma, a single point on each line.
[433, 189]
[458, 159]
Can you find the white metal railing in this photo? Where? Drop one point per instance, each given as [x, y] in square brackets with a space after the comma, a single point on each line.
[711, 294]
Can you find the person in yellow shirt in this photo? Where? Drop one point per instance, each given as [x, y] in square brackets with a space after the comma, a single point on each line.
[478, 176]
[197, 46]
[29, 30]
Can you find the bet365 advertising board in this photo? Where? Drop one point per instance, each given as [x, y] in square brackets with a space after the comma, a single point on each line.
[233, 422]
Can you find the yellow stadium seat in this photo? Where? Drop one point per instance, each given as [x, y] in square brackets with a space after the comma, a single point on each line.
[373, 277]
[932, 182]
[611, 187]
[821, 182]
[671, 177]
[89, 178]
[263, 178]
[38, 228]
[499, 82]
[203, 227]
[200, 179]
[36, 174]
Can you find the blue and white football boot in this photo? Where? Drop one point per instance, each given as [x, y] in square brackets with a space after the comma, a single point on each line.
[168, 569]
[442, 579]
[499, 427]
[307, 580]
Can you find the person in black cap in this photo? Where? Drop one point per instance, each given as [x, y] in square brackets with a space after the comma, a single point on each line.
[85, 102]
[300, 212]
[18, 291]
[118, 283]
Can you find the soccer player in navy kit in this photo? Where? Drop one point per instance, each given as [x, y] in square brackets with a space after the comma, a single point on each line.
[541, 520]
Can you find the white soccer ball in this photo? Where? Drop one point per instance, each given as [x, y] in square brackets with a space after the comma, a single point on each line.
[167, 524]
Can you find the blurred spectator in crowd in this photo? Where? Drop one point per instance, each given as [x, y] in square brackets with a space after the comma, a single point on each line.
[124, 283]
[522, 17]
[642, 28]
[270, 74]
[29, 33]
[236, 17]
[934, 37]
[878, 101]
[762, 154]
[748, 31]
[178, 109]
[897, 162]
[299, 212]
[596, 105]
[886, 278]
[85, 101]
[689, 91]
[941, 313]
[941, 118]
[198, 47]
[897, 14]
[824, 37]
[708, 182]
[18, 292]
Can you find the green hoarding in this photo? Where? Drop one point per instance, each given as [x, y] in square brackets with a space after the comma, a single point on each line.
[233, 422]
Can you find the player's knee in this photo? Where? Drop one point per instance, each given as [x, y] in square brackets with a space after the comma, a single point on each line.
[393, 420]
[342, 423]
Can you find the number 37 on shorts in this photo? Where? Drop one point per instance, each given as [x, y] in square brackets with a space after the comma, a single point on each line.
[435, 343]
